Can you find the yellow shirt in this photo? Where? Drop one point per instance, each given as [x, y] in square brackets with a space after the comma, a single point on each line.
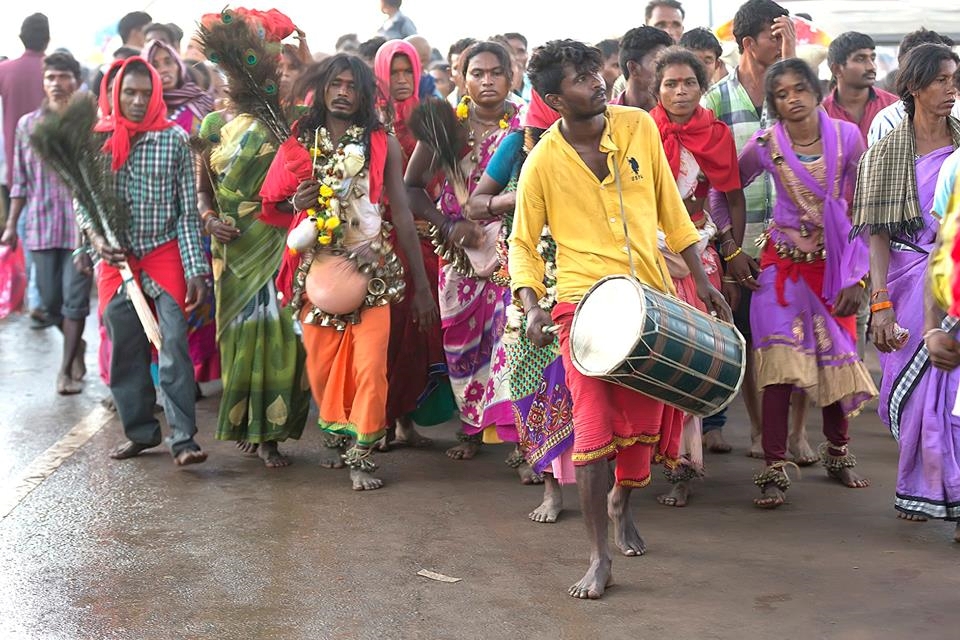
[557, 188]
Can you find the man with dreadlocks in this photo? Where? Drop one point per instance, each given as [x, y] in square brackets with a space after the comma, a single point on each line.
[152, 171]
[571, 182]
[340, 272]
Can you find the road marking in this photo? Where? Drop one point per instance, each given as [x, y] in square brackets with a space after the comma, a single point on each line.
[47, 462]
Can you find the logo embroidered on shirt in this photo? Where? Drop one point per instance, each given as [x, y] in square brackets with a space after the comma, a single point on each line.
[635, 167]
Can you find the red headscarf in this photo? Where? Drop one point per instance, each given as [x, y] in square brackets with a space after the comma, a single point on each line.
[710, 142]
[105, 98]
[401, 109]
[122, 129]
[539, 114]
[271, 25]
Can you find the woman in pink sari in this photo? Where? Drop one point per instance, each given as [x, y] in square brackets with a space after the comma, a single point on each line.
[472, 304]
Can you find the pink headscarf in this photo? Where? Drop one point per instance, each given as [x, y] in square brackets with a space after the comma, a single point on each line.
[401, 109]
[186, 93]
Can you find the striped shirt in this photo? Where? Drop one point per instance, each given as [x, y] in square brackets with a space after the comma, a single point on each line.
[888, 119]
[158, 184]
[49, 219]
[732, 105]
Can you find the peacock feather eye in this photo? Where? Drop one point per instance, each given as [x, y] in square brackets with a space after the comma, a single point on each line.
[227, 17]
[213, 57]
[270, 87]
[250, 57]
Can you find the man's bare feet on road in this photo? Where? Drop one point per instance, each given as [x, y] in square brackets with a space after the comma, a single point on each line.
[129, 450]
[595, 581]
[803, 454]
[271, 456]
[625, 533]
[78, 368]
[408, 436]
[528, 475]
[67, 386]
[678, 496]
[549, 510]
[363, 481]
[190, 456]
[714, 442]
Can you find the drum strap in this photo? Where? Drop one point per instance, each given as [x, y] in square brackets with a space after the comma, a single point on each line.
[626, 233]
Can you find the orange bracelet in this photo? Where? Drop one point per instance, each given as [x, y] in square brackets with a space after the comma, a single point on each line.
[880, 306]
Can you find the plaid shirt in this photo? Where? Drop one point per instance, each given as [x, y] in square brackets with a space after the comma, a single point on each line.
[158, 183]
[49, 219]
[731, 103]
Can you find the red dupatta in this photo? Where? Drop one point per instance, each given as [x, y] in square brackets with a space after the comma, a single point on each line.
[401, 108]
[710, 142]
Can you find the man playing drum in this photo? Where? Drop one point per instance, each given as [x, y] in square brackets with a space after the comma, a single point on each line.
[594, 165]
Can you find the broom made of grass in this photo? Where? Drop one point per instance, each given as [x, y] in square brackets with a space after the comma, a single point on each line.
[66, 143]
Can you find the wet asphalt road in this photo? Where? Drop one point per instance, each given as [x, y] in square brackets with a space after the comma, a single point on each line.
[229, 549]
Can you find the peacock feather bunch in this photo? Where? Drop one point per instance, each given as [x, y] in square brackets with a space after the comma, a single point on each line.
[250, 61]
[434, 123]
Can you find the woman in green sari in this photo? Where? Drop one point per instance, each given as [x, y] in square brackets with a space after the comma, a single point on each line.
[266, 396]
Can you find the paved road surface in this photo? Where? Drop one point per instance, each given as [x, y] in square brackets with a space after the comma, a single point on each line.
[229, 549]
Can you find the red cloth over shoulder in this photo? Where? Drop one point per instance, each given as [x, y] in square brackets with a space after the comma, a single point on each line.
[708, 139]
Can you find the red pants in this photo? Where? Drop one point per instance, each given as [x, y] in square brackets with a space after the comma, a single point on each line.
[610, 421]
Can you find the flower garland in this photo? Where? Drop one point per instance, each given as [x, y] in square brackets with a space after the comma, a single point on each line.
[333, 167]
[463, 112]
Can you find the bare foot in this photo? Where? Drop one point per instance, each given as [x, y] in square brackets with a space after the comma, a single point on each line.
[549, 510]
[528, 475]
[714, 442]
[595, 581]
[78, 368]
[678, 495]
[67, 386]
[108, 404]
[756, 449]
[408, 436]
[129, 450]
[625, 533]
[911, 517]
[771, 497]
[271, 456]
[803, 454]
[463, 451]
[847, 476]
[331, 459]
[363, 481]
[383, 444]
[248, 449]
[190, 456]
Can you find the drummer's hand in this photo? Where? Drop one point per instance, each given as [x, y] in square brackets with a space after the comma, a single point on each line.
[849, 301]
[714, 301]
[731, 291]
[744, 269]
[537, 321]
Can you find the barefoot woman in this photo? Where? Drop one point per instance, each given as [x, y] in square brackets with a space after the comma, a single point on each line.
[702, 153]
[894, 199]
[803, 316]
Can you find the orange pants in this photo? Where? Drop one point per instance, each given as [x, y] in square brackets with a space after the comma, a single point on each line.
[348, 374]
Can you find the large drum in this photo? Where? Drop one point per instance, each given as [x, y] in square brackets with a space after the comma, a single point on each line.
[631, 335]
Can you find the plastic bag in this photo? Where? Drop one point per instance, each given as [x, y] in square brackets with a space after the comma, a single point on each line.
[13, 279]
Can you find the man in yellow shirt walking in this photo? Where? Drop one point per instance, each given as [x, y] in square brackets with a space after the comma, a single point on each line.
[570, 182]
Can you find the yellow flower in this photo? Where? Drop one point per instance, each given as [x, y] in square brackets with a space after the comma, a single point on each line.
[463, 109]
[311, 213]
[325, 240]
[326, 191]
[331, 223]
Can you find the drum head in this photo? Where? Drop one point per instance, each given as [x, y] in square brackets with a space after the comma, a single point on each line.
[607, 325]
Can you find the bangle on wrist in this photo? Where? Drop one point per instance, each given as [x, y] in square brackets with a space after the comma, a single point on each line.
[490, 206]
[729, 280]
[733, 255]
[880, 306]
[879, 292]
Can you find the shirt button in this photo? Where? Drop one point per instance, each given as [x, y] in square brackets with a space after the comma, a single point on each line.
[613, 219]
[624, 249]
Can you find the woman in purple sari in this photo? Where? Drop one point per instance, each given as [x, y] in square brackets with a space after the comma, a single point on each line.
[811, 280]
[893, 203]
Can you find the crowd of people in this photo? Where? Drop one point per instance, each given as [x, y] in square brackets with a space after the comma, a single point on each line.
[406, 239]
